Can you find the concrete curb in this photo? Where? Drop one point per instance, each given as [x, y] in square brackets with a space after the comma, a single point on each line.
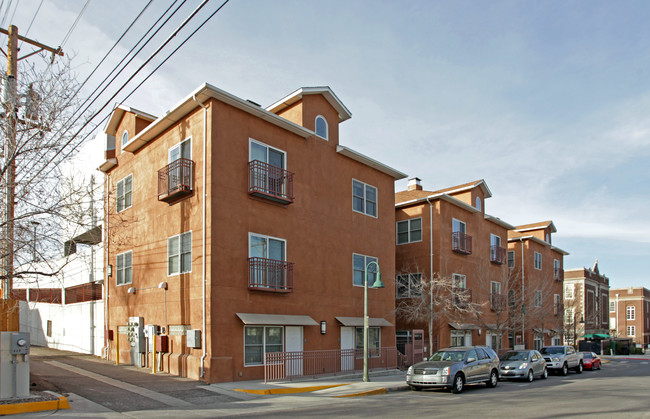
[15, 408]
[375, 392]
[291, 390]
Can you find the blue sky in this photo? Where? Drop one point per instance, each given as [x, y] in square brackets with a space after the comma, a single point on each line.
[547, 101]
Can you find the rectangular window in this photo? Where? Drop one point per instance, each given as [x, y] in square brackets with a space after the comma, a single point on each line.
[374, 340]
[630, 313]
[495, 240]
[364, 198]
[408, 285]
[124, 195]
[179, 254]
[182, 150]
[538, 298]
[568, 292]
[359, 264]
[538, 261]
[496, 300]
[458, 226]
[409, 231]
[260, 340]
[457, 338]
[495, 287]
[556, 303]
[556, 269]
[568, 316]
[631, 330]
[511, 259]
[459, 281]
[124, 268]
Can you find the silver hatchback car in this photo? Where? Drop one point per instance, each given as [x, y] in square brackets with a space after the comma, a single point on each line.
[453, 368]
[523, 364]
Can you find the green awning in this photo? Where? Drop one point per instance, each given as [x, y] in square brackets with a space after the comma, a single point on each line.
[597, 336]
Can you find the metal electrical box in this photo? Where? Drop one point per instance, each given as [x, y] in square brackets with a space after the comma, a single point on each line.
[194, 338]
[14, 364]
[136, 333]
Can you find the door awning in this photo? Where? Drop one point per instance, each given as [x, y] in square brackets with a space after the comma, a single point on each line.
[463, 326]
[358, 321]
[597, 336]
[276, 319]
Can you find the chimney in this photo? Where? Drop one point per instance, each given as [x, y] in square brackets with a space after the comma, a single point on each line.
[414, 184]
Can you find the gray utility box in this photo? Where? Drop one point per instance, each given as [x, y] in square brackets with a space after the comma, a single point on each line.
[14, 364]
[194, 338]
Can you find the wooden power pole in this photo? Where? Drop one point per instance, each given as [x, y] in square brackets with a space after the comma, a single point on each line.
[10, 102]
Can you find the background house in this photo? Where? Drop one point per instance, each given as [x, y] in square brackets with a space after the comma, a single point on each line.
[629, 314]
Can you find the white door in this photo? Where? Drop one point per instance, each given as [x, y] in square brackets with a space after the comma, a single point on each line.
[347, 342]
[293, 336]
[468, 338]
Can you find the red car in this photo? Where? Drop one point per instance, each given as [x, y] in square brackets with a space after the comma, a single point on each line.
[591, 361]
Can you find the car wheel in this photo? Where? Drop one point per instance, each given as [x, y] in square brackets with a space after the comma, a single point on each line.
[579, 368]
[598, 366]
[565, 369]
[494, 379]
[458, 385]
[416, 388]
[544, 374]
[530, 376]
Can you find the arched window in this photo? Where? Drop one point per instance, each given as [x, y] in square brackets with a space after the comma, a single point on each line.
[478, 203]
[321, 127]
[125, 138]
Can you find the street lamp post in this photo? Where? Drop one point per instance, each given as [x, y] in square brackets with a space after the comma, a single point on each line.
[376, 284]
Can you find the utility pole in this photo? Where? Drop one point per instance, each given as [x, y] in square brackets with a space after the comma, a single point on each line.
[10, 99]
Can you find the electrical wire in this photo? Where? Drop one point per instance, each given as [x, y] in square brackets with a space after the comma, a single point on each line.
[4, 18]
[33, 18]
[74, 25]
[14, 13]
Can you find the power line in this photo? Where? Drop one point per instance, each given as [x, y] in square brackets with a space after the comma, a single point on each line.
[33, 18]
[74, 25]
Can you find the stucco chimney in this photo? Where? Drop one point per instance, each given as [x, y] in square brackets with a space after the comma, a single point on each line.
[414, 184]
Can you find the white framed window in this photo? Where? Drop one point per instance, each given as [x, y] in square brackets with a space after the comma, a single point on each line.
[124, 265]
[631, 330]
[548, 238]
[457, 338]
[179, 254]
[495, 295]
[495, 240]
[478, 203]
[374, 340]
[556, 303]
[459, 281]
[495, 287]
[630, 313]
[408, 285]
[359, 264]
[182, 150]
[364, 198]
[612, 323]
[511, 259]
[568, 315]
[266, 154]
[409, 231]
[569, 291]
[538, 298]
[260, 340]
[322, 129]
[266, 247]
[538, 342]
[556, 269]
[124, 195]
[538, 261]
[458, 226]
[125, 138]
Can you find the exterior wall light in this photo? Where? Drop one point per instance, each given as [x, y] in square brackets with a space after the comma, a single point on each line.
[131, 290]
[323, 327]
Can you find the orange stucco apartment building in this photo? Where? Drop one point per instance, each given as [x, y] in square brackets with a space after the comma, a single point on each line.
[511, 277]
[538, 269]
[446, 235]
[242, 231]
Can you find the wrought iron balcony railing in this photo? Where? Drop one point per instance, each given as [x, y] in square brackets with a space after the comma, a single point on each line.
[461, 243]
[497, 254]
[497, 302]
[270, 275]
[558, 274]
[271, 182]
[175, 180]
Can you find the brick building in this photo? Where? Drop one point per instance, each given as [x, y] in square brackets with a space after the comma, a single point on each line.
[249, 227]
[629, 314]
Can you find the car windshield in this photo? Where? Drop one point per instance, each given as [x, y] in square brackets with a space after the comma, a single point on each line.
[553, 350]
[515, 356]
[587, 354]
[455, 356]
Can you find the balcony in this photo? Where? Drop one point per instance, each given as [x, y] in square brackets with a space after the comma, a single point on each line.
[175, 180]
[558, 274]
[270, 275]
[461, 243]
[462, 298]
[270, 182]
[497, 254]
[497, 302]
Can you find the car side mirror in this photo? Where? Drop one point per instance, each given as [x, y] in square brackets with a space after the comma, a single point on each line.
[470, 360]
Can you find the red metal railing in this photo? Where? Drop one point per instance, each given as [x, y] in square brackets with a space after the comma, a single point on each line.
[268, 181]
[292, 365]
[175, 180]
[558, 274]
[270, 275]
[497, 302]
[497, 254]
[461, 243]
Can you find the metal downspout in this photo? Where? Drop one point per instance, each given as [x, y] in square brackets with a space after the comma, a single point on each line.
[523, 281]
[203, 263]
[430, 276]
[107, 192]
